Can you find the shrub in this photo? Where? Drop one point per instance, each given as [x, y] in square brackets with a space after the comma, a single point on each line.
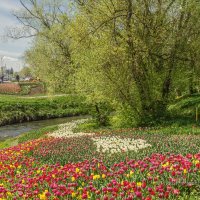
[100, 112]
[125, 117]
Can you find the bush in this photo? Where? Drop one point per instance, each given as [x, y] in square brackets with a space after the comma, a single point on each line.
[124, 118]
[100, 112]
[89, 125]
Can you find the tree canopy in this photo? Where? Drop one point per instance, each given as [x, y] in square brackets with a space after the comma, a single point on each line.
[137, 56]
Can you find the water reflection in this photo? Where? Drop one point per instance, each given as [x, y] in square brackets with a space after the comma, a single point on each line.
[17, 129]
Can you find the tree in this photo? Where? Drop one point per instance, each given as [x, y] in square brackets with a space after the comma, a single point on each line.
[154, 38]
[128, 53]
[11, 71]
[47, 22]
[26, 72]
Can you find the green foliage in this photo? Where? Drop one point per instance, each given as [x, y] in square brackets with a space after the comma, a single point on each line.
[186, 102]
[124, 118]
[15, 109]
[26, 72]
[89, 125]
[27, 86]
[121, 52]
[186, 107]
[101, 112]
[25, 89]
[52, 63]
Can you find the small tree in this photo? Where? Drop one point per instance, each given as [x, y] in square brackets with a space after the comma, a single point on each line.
[26, 72]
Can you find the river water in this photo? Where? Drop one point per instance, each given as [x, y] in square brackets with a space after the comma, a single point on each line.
[17, 129]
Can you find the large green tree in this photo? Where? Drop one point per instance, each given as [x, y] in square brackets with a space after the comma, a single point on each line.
[135, 49]
[135, 54]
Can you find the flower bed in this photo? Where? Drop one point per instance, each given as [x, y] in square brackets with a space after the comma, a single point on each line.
[9, 88]
[157, 176]
[76, 168]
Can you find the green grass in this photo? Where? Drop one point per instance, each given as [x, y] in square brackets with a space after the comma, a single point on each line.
[14, 109]
[167, 129]
[5, 143]
[32, 135]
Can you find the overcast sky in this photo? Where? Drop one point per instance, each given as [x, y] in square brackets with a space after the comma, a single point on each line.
[12, 50]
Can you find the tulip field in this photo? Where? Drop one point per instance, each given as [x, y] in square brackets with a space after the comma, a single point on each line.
[123, 164]
[9, 88]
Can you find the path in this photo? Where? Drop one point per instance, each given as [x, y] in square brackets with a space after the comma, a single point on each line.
[45, 96]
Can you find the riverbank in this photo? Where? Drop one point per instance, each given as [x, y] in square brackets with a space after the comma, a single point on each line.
[35, 130]
[19, 128]
[14, 109]
[30, 135]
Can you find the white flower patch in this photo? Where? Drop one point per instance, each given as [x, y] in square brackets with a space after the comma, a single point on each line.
[114, 144]
[105, 144]
[66, 130]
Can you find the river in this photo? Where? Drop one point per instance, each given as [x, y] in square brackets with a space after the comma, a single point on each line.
[17, 129]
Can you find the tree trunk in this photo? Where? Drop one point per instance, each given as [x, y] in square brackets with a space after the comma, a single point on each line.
[192, 89]
[135, 63]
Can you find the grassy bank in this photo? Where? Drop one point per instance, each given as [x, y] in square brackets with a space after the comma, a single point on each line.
[14, 109]
[30, 135]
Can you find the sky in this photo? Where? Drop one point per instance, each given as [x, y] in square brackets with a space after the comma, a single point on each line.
[11, 50]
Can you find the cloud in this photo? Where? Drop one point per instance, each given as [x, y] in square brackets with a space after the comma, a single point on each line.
[6, 17]
[10, 54]
[11, 48]
[13, 62]
[10, 58]
[5, 23]
[9, 5]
